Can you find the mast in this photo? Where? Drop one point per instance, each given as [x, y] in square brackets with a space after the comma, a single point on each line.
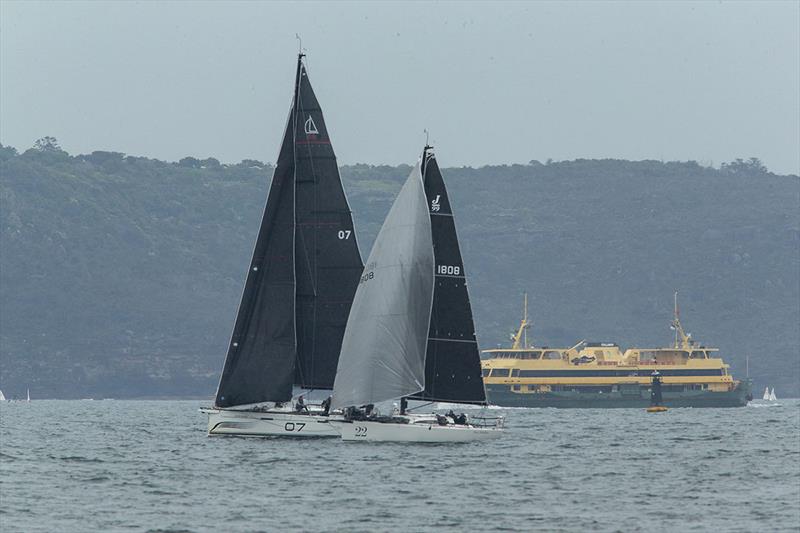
[682, 339]
[522, 332]
[675, 319]
[525, 318]
[303, 272]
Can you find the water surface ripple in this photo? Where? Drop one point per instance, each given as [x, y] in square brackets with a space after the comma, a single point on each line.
[148, 466]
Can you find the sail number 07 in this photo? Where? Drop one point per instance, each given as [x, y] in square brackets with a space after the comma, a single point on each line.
[344, 234]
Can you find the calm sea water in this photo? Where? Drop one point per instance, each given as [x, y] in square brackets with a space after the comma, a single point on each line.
[148, 466]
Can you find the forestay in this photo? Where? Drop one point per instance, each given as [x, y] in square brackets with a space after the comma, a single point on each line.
[383, 351]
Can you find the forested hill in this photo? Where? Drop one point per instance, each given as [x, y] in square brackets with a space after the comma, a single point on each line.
[120, 276]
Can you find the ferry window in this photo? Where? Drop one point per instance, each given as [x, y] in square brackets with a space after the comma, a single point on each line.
[500, 372]
[515, 372]
[551, 355]
[697, 355]
[647, 356]
[536, 355]
[516, 387]
[486, 371]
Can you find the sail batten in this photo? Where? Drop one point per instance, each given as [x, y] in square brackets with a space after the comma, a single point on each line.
[303, 273]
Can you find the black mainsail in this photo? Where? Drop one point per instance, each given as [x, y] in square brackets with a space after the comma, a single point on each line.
[303, 274]
[452, 362]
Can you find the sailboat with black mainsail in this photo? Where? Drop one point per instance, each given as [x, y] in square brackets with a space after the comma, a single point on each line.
[410, 334]
[300, 285]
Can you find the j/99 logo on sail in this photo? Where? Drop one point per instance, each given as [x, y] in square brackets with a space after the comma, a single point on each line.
[448, 269]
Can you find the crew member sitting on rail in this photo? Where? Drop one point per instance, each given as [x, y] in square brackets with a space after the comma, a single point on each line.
[326, 406]
[300, 406]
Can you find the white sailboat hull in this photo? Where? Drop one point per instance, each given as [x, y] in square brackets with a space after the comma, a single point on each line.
[418, 432]
[269, 424]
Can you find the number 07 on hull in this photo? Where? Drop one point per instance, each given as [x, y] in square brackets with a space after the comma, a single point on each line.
[269, 424]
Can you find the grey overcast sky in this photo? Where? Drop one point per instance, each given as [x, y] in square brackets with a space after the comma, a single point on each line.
[493, 82]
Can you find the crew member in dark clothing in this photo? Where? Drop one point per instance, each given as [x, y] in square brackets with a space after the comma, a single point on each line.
[452, 415]
[326, 406]
[403, 405]
[300, 407]
[461, 419]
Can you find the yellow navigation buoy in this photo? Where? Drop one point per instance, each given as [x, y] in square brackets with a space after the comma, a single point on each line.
[656, 409]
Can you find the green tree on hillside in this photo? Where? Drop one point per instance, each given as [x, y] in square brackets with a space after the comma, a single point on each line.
[47, 144]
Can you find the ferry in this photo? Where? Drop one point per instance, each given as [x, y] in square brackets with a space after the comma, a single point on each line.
[601, 375]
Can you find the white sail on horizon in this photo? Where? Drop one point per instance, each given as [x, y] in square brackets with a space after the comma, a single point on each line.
[766, 394]
[2, 396]
[772, 396]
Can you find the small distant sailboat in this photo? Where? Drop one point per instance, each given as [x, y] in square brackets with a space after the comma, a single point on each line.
[29, 395]
[772, 396]
[766, 394]
[2, 396]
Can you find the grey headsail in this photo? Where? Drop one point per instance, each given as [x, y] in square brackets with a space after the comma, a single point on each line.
[383, 351]
[303, 272]
[452, 363]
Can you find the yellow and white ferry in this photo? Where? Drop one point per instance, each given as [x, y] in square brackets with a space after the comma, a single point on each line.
[600, 374]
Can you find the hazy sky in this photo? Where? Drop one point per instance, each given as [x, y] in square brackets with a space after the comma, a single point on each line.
[494, 83]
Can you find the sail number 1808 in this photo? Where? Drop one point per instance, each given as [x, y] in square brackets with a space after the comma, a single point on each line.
[448, 270]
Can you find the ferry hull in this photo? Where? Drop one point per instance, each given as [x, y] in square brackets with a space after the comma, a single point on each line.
[502, 395]
[367, 431]
[269, 424]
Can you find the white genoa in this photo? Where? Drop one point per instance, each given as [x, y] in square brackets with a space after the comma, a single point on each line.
[416, 432]
[269, 424]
